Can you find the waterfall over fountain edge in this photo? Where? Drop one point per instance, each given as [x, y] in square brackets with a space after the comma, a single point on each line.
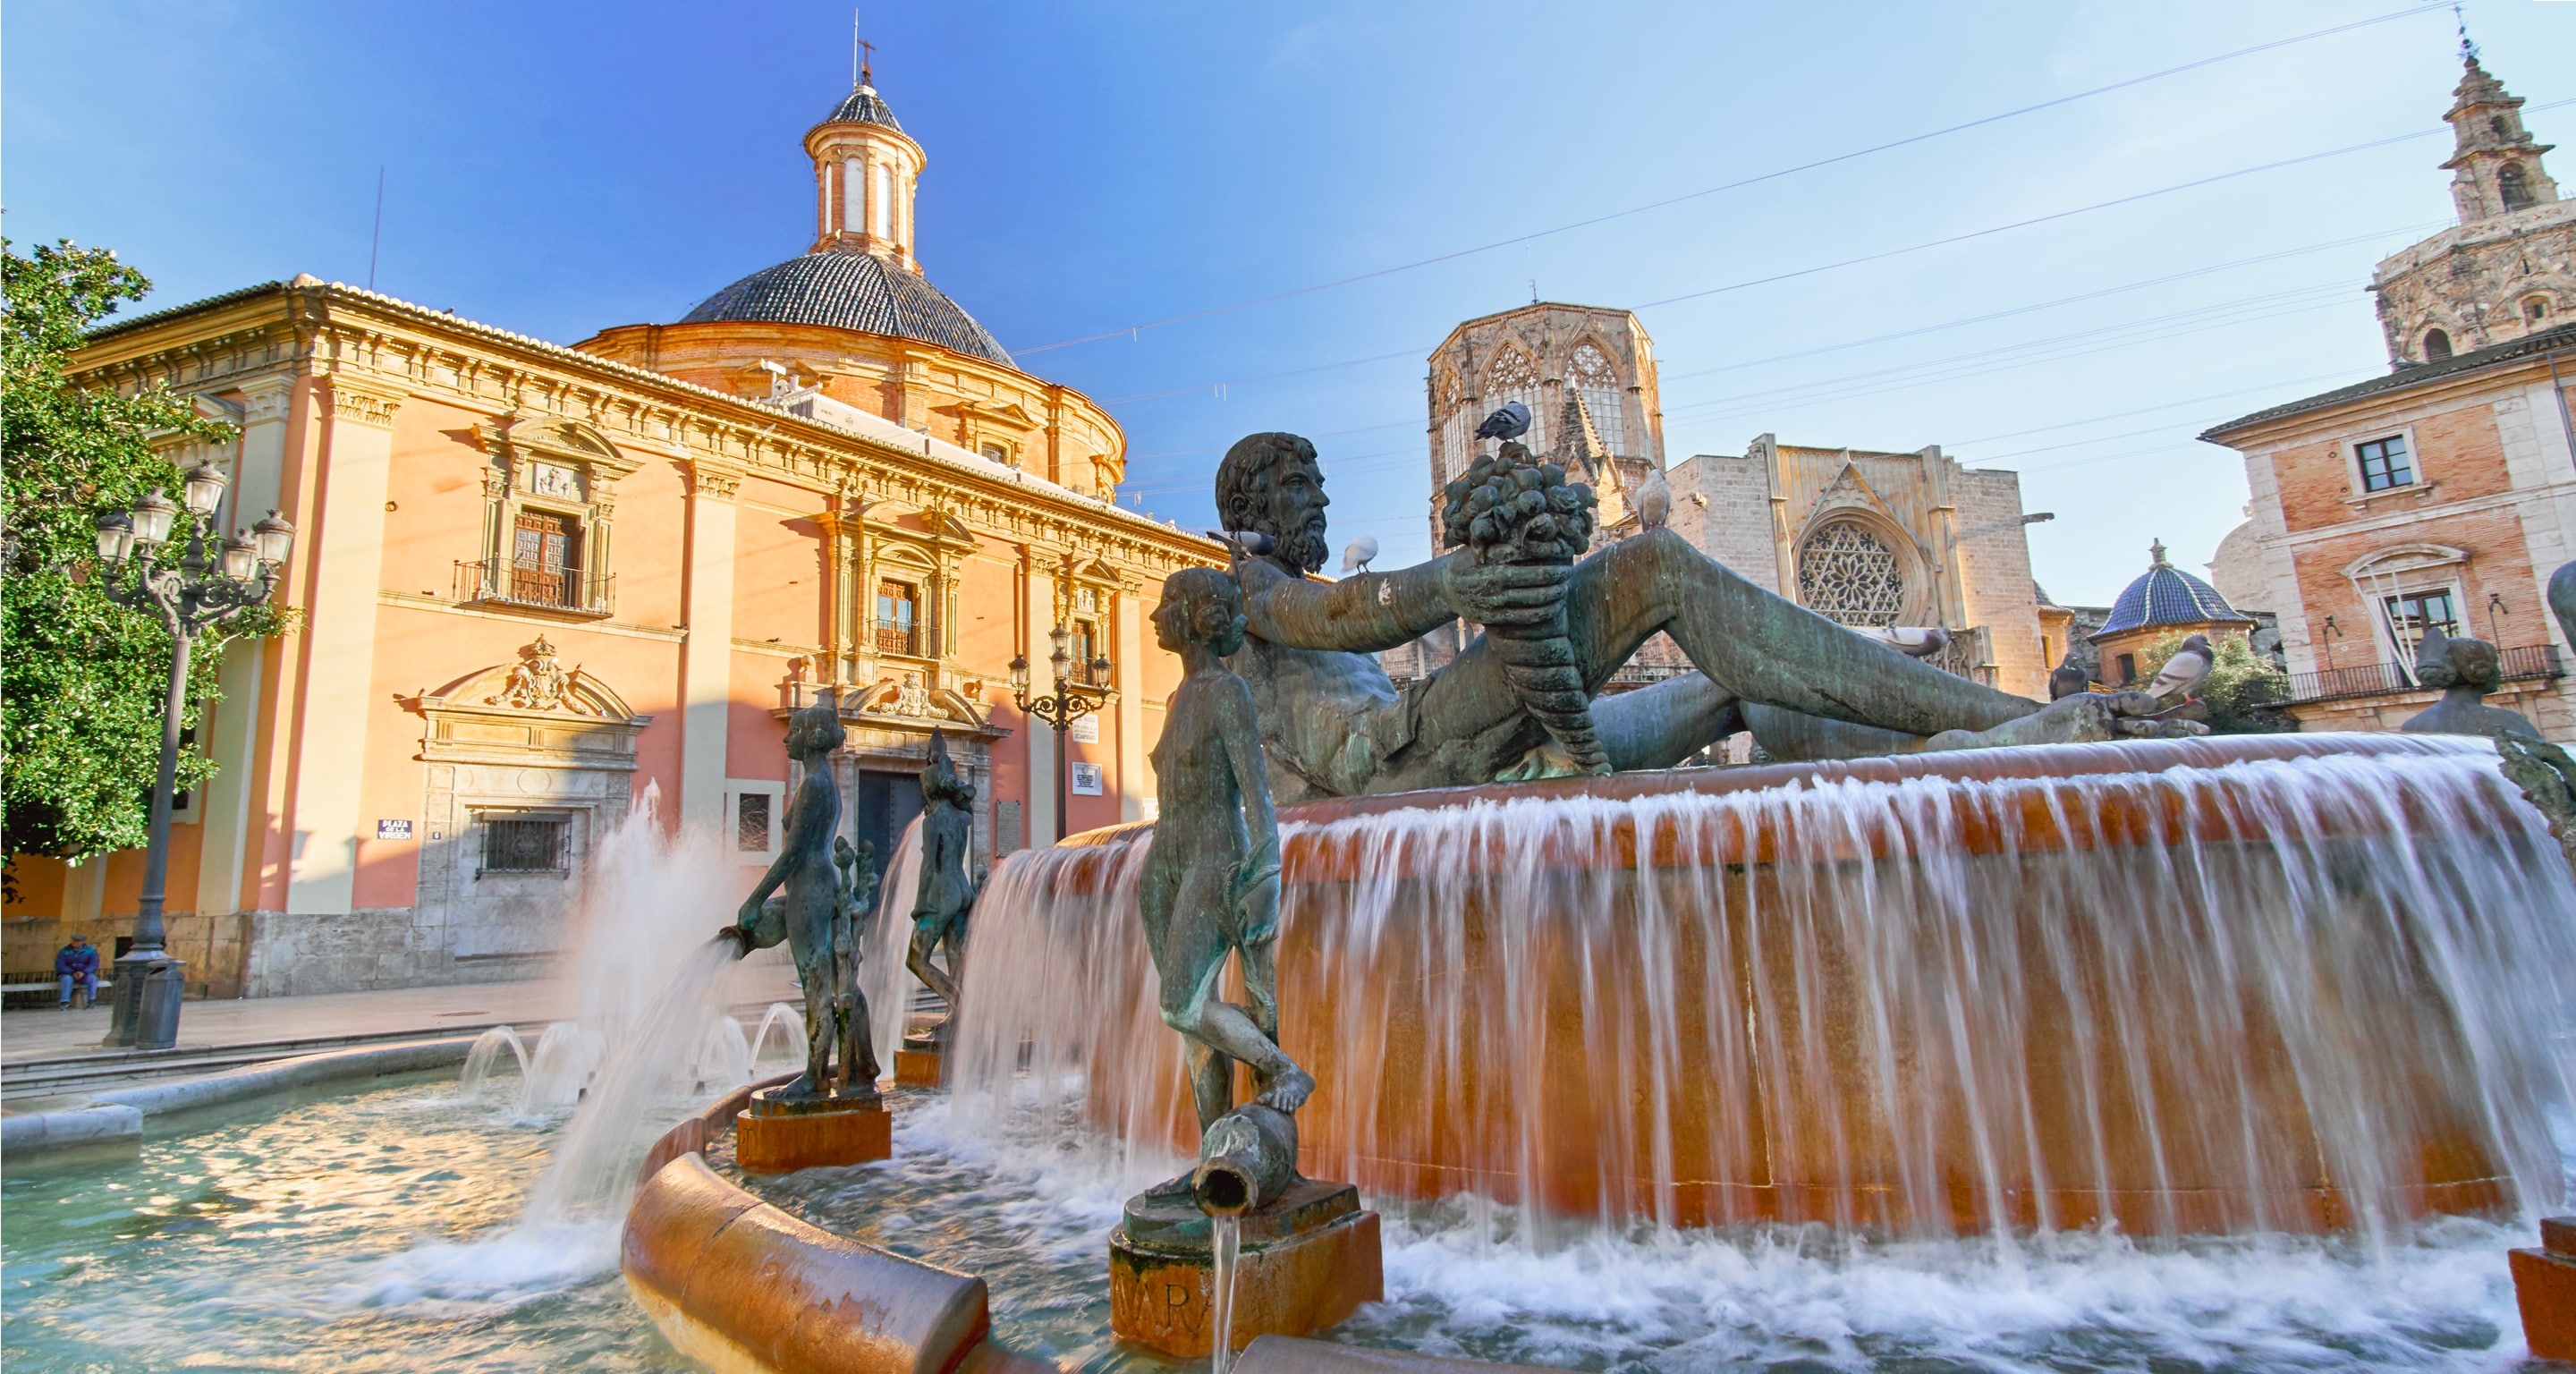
[2279, 983]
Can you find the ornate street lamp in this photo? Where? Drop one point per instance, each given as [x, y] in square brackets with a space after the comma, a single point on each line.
[1062, 707]
[189, 595]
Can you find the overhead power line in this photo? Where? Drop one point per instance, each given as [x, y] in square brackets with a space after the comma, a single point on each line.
[1133, 330]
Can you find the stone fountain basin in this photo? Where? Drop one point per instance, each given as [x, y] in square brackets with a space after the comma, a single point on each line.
[1695, 998]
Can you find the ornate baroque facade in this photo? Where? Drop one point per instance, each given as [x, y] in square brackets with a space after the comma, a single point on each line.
[539, 583]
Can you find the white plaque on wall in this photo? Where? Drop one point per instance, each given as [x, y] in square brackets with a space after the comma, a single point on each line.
[1087, 730]
[1086, 779]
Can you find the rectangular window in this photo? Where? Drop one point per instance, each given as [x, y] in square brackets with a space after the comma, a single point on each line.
[527, 845]
[2384, 463]
[751, 823]
[2128, 669]
[545, 559]
[2412, 615]
[898, 623]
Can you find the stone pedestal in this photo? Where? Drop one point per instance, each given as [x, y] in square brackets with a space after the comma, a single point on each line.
[919, 1064]
[779, 1135]
[2544, 1285]
[1305, 1262]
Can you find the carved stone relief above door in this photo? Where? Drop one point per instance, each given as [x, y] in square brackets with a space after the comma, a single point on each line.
[530, 765]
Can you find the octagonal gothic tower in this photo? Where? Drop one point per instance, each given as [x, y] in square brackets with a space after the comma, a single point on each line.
[2508, 268]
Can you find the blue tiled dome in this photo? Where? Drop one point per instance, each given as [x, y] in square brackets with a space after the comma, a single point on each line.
[851, 290]
[863, 106]
[2166, 595]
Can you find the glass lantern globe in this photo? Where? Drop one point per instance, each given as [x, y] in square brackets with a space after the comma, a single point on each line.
[275, 536]
[115, 536]
[152, 517]
[203, 487]
[241, 558]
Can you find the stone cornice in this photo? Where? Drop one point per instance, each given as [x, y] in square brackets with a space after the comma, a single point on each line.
[345, 332]
[361, 404]
[715, 481]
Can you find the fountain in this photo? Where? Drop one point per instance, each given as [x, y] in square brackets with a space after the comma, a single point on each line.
[2261, 984]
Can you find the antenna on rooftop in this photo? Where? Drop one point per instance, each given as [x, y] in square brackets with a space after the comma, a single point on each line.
[377, 239]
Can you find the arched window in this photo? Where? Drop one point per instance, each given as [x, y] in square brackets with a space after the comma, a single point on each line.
[1598, 384]
[1457, 424]
[1511, 378]
[2511, 185]
[2437, 345]
[2496, 125]
[1847, 576]
[2535, 309]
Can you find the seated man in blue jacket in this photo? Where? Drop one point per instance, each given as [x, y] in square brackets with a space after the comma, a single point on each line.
[77, 963]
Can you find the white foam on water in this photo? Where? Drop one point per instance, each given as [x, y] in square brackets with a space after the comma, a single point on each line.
[1698, 1299]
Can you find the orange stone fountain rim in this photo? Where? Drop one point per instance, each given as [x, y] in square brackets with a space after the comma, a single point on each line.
[2049, 818]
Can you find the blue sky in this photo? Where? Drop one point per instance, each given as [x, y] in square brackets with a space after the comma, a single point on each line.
[559, 168]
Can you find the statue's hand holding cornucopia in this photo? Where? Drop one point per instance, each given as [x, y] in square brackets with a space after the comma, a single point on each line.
[1512, 509]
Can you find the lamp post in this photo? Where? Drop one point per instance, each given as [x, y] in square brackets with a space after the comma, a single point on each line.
[203, 587]
[1061, 708]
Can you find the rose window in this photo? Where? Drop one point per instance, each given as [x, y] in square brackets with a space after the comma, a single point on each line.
[1847, 576]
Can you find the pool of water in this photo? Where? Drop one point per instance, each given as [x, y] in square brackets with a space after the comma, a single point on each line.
[1029, 1206]
[380, 1230]
[354, 1233]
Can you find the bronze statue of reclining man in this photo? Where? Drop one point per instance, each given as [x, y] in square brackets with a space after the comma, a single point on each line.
[1334, 725]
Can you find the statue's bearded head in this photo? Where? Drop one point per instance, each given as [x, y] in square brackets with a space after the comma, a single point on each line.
[1271, 483]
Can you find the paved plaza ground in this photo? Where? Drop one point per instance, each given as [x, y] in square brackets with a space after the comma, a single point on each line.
[50, 1033]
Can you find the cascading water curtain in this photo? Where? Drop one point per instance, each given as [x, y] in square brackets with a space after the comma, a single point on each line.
[2320, 993]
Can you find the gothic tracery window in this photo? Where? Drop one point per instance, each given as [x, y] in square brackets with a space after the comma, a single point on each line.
[1457, 426]
[1847, 576]
[1598, 384]
[1511, 378]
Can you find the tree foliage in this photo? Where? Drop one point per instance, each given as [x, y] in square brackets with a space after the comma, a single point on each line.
[2243, 689]
[82, 679]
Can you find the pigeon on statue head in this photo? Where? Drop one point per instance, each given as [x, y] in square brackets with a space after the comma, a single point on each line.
[2184, 670]
[1510, 422]
[1654, 500]
[1357, 553]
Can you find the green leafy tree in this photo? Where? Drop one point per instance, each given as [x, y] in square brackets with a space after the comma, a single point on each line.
[2243, 689]
[82, 679]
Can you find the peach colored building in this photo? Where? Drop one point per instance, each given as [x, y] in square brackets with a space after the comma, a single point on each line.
[538, 582]
[2443, 494]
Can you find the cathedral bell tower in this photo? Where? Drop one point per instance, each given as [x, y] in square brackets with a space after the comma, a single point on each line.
[865, 168]
[2496, 169]
[2508, 268]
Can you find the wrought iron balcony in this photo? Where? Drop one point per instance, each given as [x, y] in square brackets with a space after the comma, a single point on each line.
[567, 593]
[899, 637]
[1085, 675]
[2526, 663]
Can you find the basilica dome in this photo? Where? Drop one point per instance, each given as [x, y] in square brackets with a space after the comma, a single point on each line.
[847, 289]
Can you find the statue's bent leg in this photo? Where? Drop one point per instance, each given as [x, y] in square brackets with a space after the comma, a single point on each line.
[1763, 648]
[1659, 726]
[1192, 956]
[925, 938]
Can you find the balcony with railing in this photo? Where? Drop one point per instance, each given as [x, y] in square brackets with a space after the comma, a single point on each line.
[1096, 677]
[2526, 663]
[538, 589]
[899, 637]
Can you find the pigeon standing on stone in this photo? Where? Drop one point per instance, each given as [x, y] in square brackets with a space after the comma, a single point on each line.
[1510, 422]
[1357, 553]
[1654, 500]
[2184, 670]
[2069, 680]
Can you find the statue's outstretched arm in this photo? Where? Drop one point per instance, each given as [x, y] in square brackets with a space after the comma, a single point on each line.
[1361, 614]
